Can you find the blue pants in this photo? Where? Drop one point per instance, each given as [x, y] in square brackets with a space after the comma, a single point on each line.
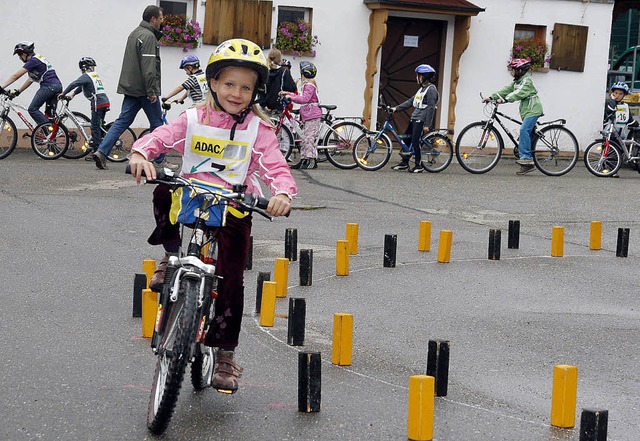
[526, 130]
[131, 105]
[46, 94]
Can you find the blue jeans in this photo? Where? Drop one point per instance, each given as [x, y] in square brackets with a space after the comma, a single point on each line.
[131, 105]
[524, 146]
[46, 94]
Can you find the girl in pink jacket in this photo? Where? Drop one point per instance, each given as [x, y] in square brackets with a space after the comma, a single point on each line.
[225, 140]
[310, 114]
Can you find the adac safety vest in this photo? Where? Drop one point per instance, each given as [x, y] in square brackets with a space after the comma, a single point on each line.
[33, 76]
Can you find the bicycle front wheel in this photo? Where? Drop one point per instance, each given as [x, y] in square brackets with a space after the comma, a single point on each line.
[173, 355]
[49, 140]
[339, 142]
[555, 150]
[437, 152]
[372, 152]
[122, 147]
[602, 160]
[78, 143]
[8, 137]
[478, 148]
[286, 143]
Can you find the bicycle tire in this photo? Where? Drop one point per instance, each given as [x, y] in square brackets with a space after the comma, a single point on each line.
[479, 148]
[173, 355]
[78, 144]
[285, 142]
[559, 159]
[437, 154]
[143, 133]
[600, 161]
[8, 137]
[121, 149]
[46, 147]
[339, 142]
[325, 127]
[372, 151]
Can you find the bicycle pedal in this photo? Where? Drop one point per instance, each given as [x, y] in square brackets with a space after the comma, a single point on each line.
[26, 135]
[225, 391]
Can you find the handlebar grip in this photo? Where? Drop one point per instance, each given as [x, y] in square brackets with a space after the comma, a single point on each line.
[262, 202]
[160, 174]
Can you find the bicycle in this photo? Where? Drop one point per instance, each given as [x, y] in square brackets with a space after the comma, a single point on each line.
[335, 139]
[605, 156]
[51, 143]
[479, 145]
[79, 130]
[373, 151]
[166, 106]
[187, 299]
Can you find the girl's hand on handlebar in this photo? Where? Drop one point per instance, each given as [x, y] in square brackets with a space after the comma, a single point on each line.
[138, 165]
[279, 205]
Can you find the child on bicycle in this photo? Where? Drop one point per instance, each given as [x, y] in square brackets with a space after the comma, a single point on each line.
[617, 111]
[228, 118]
[523, 90]
[40, 71]
[92, 86]
[425, 103]
[310, 114]
[195, 86]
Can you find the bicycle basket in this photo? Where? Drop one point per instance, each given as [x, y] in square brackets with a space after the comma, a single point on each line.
[186, 201]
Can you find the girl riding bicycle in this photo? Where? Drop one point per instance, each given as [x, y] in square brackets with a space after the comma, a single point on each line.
[224, 140]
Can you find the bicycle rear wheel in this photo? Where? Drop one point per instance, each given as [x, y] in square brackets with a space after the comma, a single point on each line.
[122, 147]
[437, 152]
[49, 140]
[602, 160]
[372, 151]
[173, 355]
[8, 137]
[555, 151]
[478, 148]
[78, 144]
[339, 142]
[285, 142]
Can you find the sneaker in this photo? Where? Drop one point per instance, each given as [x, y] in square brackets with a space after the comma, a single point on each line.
[524, 162]
[225, 373]
[166, 164]
[416, 169]
[156, 282]
[301, 164]
[400, 166]
[310, 164]
[89, 156]
[100, 159]
[524, 169]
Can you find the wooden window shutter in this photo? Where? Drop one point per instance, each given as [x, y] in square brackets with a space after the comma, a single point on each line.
[569, 47]
[249, 19]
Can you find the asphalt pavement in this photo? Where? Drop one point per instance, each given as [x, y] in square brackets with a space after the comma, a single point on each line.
[74, 365]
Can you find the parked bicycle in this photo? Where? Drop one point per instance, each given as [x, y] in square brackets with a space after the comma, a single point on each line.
[51, 143]
[480, 145]
[186, 302]
[166, 106]
[335, 139]
[372, 151]
[605, 156]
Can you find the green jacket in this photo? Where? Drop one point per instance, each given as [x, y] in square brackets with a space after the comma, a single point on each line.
[140, 74]
[524, 91]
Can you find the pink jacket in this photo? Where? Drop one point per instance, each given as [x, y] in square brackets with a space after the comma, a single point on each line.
[309, 108]
[266, 157]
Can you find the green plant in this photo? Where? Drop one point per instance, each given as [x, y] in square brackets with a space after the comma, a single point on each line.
[535, 50]
[296, 38]
[177, 29]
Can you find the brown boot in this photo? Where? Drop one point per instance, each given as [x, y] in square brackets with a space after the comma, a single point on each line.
[225, 373]
[158, 276]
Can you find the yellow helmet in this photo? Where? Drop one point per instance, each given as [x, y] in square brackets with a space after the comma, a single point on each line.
[238, 52]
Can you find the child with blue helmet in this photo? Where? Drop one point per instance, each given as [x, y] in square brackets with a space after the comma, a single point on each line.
[195, 86]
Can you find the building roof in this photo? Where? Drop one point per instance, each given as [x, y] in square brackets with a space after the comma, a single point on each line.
[462, 7]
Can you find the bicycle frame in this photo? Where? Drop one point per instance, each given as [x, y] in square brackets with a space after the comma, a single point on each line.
[9, 106]
[623, 144]
[297, 125]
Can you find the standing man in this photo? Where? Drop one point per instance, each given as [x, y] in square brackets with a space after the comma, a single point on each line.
[139, 81]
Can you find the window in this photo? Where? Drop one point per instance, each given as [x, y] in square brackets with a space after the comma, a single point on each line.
[249, 19]
[292, 15]
[569, 47]
[174, 8]
[529, 32]
[530, 42]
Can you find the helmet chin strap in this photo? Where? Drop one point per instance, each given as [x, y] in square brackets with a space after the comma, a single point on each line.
[239, 118]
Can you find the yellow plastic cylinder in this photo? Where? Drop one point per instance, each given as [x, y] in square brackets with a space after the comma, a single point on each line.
[424, 236]
[149, 311]
[421, 408]
[342, 258]
[564, 395]
[268, 305]
[342, 339]
[352, 238]
[148, 267]
[281, 276]
[444, 247]
[595, 238]
[557, 242]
